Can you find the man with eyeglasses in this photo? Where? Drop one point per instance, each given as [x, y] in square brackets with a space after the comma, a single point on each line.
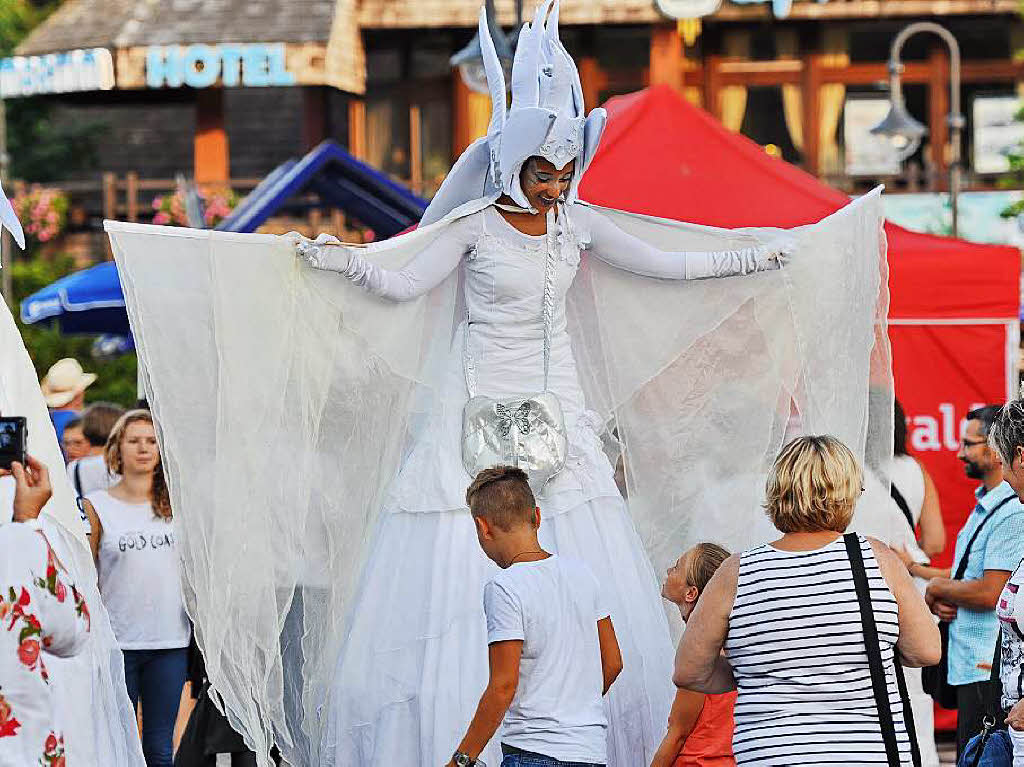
[993, 541]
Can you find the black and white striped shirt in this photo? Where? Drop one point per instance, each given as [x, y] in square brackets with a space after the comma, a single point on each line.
[797, 650]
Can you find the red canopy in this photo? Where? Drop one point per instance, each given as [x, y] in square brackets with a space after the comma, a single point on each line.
[665, 157]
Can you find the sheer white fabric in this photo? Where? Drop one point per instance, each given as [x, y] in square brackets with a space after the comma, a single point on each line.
[93, 707]
[295, 408]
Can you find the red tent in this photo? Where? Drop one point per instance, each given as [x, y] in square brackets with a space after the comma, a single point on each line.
[954, 306]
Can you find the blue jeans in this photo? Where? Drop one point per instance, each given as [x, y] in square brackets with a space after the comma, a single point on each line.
[156, 676]
[525, 759]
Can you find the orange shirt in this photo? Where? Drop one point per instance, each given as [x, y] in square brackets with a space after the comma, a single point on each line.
[710, 743]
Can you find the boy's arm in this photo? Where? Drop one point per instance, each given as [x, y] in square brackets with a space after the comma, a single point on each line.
[501, 689]
[611, 657]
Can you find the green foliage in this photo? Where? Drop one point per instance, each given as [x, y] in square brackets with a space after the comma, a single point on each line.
[43, 149]
[18, 18]
[1014, 178]
[40, 148]
[46, 345]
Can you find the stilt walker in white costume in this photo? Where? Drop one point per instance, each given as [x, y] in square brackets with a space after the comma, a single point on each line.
[324, 424]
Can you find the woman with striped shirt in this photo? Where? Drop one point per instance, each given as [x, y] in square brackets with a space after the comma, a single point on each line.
[788, 618]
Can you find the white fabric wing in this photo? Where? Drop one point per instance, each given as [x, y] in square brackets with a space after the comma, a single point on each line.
[287, 399]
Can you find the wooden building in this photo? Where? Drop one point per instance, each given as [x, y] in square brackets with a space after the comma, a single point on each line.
[227, 89]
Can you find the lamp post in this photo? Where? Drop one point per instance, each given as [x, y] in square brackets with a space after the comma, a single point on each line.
[470, 60]
[906, 132]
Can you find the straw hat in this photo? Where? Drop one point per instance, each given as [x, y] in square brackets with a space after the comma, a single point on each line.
[64, 381]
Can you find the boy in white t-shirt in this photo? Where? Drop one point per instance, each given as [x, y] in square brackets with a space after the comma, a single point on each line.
[552, 647]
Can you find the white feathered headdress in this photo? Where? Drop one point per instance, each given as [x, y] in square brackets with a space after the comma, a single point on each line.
[547, 118]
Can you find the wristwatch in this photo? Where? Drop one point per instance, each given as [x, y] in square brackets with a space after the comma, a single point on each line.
[460, 759]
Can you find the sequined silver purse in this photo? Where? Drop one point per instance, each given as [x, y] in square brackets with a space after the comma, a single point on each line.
[528, 430]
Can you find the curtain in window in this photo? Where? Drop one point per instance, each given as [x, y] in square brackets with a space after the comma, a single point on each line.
[832, 100]
[831, 97]
[734, 97]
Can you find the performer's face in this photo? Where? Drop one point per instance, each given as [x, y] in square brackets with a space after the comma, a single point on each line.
[543, 183]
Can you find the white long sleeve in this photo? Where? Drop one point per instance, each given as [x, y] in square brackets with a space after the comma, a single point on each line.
[625, 251]
[423, 273]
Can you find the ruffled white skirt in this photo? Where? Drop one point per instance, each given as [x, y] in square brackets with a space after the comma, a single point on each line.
[414, 663]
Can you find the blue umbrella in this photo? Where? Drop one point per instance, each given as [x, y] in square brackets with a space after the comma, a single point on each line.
[89, 301]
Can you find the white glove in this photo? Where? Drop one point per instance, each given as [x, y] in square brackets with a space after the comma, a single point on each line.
[732, 263]
[778, 250]
[325, 252]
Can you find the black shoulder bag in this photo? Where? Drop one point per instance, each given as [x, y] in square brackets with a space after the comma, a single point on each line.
[935, 679]
[878, 683]
[991, 724]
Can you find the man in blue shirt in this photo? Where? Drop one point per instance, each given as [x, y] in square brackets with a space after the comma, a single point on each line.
[997, 526]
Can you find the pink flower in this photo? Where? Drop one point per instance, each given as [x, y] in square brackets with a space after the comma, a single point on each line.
[62, 591]
[28, 652]
[161, 218]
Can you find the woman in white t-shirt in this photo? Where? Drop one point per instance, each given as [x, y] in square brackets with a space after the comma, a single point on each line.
[132, 536]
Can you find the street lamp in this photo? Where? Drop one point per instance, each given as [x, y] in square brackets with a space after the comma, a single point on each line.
[470, 60]
[903, 130]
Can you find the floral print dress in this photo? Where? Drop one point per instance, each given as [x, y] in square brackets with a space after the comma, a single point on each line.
[41, 613]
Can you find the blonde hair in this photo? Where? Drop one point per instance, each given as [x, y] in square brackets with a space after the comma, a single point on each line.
[158, 495]
[813, 486]
[703, 563]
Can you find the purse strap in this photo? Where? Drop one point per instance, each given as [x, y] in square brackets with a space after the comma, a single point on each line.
[900, 501]
[547, 307]
[878, 682]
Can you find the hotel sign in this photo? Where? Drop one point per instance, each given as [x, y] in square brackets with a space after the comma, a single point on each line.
[66, 72]
[203, 66]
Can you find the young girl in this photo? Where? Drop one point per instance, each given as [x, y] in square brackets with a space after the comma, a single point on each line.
[133, 541]
[700, 726]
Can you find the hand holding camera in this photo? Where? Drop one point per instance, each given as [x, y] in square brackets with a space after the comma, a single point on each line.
[33, 489]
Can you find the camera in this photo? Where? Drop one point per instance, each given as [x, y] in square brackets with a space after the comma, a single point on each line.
[13, 441]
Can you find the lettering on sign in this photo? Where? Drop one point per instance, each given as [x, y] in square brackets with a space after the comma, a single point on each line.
[202, 66]
[65, 72]
[939, 432]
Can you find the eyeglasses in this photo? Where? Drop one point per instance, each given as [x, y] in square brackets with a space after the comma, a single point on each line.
[969, 443]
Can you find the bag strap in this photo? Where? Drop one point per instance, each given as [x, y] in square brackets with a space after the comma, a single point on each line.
[78, 477]
[547, 304]
[897, 496]
[878, 683]
[962, 567]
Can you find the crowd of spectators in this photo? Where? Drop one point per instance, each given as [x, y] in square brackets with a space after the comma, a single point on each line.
[806, 648]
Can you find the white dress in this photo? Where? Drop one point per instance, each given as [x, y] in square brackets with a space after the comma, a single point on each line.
[409, 680]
